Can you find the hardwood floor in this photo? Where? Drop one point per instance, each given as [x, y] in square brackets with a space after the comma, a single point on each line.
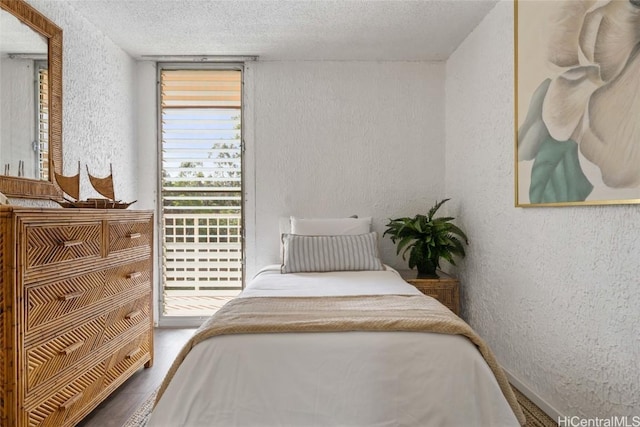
[117, 409]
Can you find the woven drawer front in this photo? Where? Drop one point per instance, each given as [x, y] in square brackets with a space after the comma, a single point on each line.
[126, 277]
[52, 301]
[66, 403]
[45, 360]
[124, 318]
[446, 296]
[129, 234]
[127, 356]
[54, 244]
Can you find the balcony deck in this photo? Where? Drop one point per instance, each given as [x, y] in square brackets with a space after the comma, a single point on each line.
[195, 305]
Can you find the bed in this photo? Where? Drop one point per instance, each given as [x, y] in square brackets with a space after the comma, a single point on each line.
[332, 337]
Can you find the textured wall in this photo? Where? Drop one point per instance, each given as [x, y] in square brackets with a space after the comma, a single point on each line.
[342, 138]
[98, 103]
[555, 291]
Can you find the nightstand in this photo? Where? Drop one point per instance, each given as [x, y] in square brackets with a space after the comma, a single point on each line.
[444, 288]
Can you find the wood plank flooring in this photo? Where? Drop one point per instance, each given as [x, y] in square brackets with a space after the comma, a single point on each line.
[118, 407]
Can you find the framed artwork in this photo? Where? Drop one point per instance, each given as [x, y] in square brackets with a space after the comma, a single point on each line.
[577, 102]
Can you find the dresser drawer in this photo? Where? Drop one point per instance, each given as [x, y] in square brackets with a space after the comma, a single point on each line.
[48, 245]
[130, 355]
[47, 303]
[125, 235]
[127, 318]
[63, 406]
[46, 360]
[123, 278]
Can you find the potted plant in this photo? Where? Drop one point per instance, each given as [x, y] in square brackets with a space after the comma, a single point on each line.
[427, 240]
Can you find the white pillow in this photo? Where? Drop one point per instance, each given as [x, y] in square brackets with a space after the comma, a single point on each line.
[307, 254]
[330, 226]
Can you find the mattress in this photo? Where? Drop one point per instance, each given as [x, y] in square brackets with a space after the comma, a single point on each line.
[333, 378]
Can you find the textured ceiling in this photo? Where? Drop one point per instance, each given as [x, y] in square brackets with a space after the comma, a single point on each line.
[287, 29]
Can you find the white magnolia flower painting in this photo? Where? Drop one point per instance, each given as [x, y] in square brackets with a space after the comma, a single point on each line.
[578, 101]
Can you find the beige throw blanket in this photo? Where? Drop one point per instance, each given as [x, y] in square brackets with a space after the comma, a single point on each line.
[408, 313]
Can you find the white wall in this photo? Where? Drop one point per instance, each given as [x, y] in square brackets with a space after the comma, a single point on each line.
[343, 138]
[555, 291]
[99, 114]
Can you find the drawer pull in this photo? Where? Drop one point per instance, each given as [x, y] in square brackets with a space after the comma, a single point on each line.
[70, 296]
[73, 347]
[132, 353]
[134, 275]
[133, 235]
[66, 405]
[133, 314]
[70, 243]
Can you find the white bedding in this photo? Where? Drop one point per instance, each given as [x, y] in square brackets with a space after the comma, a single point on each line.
[269, 282]
[333, 379]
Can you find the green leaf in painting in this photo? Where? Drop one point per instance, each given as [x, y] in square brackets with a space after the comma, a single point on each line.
[556, 175]
[533, 131]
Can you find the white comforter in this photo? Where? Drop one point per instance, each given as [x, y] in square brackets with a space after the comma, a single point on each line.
[333, 379]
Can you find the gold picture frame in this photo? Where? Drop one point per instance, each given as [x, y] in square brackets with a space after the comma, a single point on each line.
[577, 102]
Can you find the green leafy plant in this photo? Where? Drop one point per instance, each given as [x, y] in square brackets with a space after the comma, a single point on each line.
[427, 240]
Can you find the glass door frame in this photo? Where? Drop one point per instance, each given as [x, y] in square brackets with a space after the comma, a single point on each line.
[192, 321]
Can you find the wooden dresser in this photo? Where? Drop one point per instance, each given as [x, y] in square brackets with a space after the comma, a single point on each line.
[76, 301]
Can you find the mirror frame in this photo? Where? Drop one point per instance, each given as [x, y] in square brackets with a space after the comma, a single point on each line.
[28, 188]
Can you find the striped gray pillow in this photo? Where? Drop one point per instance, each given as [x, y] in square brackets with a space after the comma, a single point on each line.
[330, 253]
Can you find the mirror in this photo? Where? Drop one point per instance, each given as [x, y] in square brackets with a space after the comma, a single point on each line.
[31, 102]
[24, 136]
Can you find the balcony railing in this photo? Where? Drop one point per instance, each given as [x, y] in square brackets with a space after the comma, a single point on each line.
[202, 262]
